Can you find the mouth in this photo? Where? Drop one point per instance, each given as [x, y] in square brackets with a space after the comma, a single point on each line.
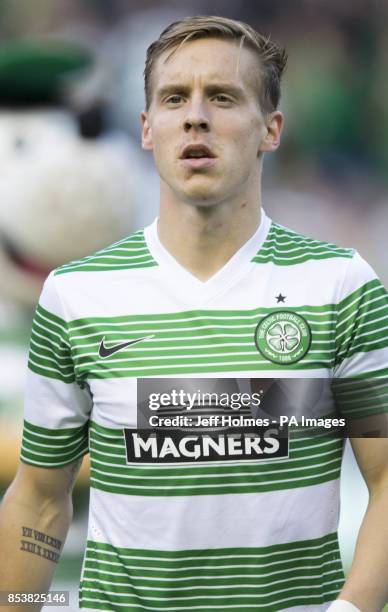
[200, 162]
[198, 156]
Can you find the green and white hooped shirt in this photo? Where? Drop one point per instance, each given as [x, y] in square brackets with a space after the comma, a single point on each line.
[192, 535]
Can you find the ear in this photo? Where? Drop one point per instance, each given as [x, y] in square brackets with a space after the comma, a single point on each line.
[146, 133]
[274, 126]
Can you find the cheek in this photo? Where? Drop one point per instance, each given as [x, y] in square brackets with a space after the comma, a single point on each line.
[242, 128]
[245, 141]
[167, 121]
[164, 137]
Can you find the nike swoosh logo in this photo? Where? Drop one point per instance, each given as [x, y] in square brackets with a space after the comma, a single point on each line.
[105, 351]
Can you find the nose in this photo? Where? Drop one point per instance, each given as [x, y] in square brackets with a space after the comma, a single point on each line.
[196, 117]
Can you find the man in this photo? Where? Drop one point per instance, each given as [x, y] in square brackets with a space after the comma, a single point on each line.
[213, 289]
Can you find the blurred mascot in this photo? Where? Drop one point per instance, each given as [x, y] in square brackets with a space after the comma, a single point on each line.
[65, 191]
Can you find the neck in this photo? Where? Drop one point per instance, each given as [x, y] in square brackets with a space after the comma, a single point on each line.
[203, 239]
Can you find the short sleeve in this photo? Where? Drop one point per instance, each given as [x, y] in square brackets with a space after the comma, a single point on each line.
[362, 323]
[57, 408]
[361, 363]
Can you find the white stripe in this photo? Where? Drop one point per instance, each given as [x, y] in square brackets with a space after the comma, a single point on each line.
[29, 430]
[158, 568]
[52, 344]
[242, 595]
[300, 568]
[36, 324]
[203, 465]
[353, 387]
[47, 368]
[58, 447]
[208, 586]
[201, 487]
[197, 365]
[107, 265]
[191, 347]
[361, 362]
[217, 476]
[358, 298]
[41, 315]
[367, 322]
[143, 253]
[60, 368]
[50, 463]
[205, 358]
[193, 522]
[202, 317]
[299, 240]
[299, 246]
[208, 608]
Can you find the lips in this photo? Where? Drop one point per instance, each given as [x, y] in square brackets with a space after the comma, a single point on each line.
[197, 151]
[197, 157]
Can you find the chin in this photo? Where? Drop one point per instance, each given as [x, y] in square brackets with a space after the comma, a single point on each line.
[201, 196]
[203, 203]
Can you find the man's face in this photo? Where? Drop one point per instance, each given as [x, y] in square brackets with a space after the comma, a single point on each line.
[205, 102]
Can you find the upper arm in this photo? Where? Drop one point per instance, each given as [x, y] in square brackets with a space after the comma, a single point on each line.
[360, 388]
[57, 406]
[44, 483]
[372, 458]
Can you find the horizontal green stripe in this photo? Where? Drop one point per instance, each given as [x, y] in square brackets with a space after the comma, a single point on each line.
[42, 347]
[57, 445]
[319, 313]
[222, 490]
[55, 374]
[130, 253]
[222, 480]
[107, 606]
[52, 463]
[328, 542]
[222, 592]
[284, 247]
[286, 260]
[368, 375]
[227, 577]
[370, 290]
[55, 320]
[54, 457]
[365, 347]
[53, 447]
[49, 354]
[89, 353]
[108, 266]
[68, 431]
[209, 572]
[204, 368]
[116, 460]
[65, 368]
[279, 235]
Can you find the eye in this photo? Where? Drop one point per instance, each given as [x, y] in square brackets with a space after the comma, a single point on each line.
[175, 99]
[222, 98]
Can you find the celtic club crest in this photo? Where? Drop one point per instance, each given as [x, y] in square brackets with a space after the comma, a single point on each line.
[283, 337]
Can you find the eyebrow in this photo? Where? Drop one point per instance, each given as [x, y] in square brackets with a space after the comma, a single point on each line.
[212, 88]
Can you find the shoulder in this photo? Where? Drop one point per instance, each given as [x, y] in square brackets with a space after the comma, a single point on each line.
[286, 247]
[129, 253]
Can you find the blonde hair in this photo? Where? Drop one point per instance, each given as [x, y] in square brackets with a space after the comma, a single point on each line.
[272, 57]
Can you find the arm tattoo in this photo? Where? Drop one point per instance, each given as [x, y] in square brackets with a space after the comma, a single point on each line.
[36, 542]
